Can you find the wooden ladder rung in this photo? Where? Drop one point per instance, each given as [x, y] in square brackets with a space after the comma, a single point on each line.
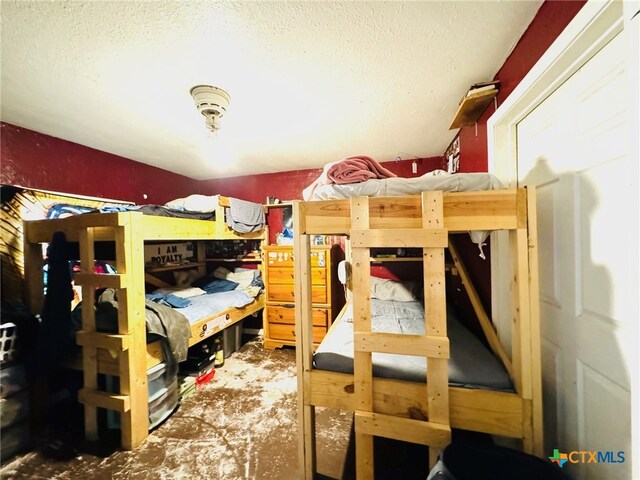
[401, 344]
[405, 429]
[401, 237]
[103, 340]
[105, 280]
[111, 401]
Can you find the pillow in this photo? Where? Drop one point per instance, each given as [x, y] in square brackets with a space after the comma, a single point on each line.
[185, 277]
[243, 278]
[181, 292]
[384, 289]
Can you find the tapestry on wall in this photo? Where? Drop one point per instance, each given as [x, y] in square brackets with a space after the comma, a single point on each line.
[19, 204]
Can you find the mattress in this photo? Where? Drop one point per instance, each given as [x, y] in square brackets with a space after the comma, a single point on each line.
[203, 306]
[397, 186]
[471, 364]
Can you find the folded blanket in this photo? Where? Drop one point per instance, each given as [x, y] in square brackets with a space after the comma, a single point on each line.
[356, 169]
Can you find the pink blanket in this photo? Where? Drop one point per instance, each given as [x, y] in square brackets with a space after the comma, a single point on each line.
[354, 169]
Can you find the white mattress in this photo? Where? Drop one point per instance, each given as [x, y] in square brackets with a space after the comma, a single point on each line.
[393, 187]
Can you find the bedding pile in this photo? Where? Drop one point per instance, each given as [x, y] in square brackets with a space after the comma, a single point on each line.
[349, 170]
[393, 186]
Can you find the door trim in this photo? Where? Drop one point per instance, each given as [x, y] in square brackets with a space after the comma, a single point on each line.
[591, 29]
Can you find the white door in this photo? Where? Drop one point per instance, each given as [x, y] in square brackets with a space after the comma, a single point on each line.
[574, 148]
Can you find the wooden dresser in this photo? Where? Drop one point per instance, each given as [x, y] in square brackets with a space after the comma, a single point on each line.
[326, 292]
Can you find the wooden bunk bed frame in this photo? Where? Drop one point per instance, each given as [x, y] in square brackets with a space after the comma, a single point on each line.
[421, 413]
[125, 354]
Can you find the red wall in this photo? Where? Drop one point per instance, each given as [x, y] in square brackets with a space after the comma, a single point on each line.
[550, 20]
[34, 160]
[289, 185]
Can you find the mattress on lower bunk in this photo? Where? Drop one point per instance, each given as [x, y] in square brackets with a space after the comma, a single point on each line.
[203, 306]
[397, 186]
[471, 364]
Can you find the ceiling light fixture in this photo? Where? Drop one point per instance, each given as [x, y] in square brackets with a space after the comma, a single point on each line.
[212, 102]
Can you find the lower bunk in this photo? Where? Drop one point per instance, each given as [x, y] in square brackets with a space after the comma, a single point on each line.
[481, 394]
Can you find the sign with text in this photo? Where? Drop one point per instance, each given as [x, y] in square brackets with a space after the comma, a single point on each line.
[168, 253]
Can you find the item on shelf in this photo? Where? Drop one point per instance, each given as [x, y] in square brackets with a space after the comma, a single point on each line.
[218, 361]
[474, 103]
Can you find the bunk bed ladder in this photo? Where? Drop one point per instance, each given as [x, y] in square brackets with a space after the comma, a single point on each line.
[435, 430]
[128, 345]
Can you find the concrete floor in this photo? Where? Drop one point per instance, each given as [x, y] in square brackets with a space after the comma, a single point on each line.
[242, 425]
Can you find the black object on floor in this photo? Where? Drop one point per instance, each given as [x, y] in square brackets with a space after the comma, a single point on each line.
[465, 461]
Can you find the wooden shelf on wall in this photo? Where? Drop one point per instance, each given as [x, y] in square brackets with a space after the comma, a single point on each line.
[471, 107]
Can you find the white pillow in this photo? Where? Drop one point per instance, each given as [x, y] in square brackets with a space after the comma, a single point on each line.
[384, 289]
[242, 278]
[182, 292]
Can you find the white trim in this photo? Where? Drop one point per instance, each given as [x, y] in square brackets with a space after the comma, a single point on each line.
[592, 28]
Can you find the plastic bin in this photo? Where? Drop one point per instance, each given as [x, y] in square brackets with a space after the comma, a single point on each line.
[158, 378]
[8, 342]
[13, 379]
[232, 338]
[163, 404]
[460, 461]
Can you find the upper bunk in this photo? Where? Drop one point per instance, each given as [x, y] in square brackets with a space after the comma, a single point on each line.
[500, 209]
[151, 227]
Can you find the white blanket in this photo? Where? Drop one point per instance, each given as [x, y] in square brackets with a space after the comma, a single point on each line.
[393, 187]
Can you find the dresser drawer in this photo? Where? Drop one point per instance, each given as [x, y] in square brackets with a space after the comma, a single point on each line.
[283, 331]
[288, 315]
[285, 293]
[284, 258]
[285, 275]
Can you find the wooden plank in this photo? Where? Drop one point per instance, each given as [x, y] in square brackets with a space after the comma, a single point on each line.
[404, 429]
[419, 345]
[362, 362]
[399, 237]
[435, 308]
[102, 340]
[89, 353]
[485, 322]
[96, 398]
[534, 325]
[463, 211]
[155, 281]
[496, 413]
[304, 344]
[41, 231]
[98, 280]
[471, 108]
[131, 321]
[33, 263]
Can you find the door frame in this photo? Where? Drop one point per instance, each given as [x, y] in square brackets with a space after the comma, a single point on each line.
[591, 29]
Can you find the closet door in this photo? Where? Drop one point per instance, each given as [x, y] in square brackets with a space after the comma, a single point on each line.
[574, 148]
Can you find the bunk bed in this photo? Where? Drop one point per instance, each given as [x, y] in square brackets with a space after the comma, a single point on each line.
[404, 409]
[126, 354]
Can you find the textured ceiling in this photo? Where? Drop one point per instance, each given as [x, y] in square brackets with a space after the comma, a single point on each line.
[310, 82]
